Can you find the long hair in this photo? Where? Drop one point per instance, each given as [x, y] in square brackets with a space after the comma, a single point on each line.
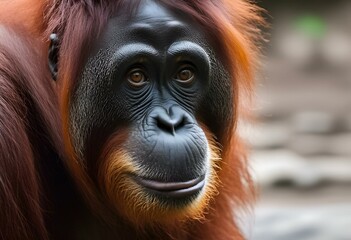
[232, 26]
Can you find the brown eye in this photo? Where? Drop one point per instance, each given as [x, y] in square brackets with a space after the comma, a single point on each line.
[136, 77]
[185, 75]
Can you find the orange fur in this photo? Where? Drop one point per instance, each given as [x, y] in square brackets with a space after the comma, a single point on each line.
[230, 24]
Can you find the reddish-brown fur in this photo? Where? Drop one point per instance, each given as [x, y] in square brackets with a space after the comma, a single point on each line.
[24, 105]
[29, 111]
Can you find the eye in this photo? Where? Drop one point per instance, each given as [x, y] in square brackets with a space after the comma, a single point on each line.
[185, 74]
[137, 77]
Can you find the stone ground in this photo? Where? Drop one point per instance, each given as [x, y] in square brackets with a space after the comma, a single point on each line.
[302, 163]
[301, 157]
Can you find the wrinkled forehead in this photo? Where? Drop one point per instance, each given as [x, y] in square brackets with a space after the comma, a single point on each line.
[146, 10]
[149, 9]
[151, 21]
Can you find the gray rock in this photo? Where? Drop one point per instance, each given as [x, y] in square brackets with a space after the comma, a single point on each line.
[269, 135]
[347, 122]
[308, 144]
[324, 222]
[314, 122]
[333, 169]
[271, 168]
[340, 144]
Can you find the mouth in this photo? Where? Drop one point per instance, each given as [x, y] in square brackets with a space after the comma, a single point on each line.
[173, 189]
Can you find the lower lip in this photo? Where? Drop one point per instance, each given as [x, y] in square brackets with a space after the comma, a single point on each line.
[173, 189]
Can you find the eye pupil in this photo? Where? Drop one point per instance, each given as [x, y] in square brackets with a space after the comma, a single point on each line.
[136, 77]
[185, 75]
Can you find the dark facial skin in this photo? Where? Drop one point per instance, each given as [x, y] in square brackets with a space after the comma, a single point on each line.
[152, 74]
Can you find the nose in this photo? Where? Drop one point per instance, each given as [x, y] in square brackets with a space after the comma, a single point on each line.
[170, 121]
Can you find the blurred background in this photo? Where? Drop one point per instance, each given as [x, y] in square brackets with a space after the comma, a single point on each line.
[301, 158]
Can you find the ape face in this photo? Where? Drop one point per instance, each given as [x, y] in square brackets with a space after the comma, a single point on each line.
[144, 114]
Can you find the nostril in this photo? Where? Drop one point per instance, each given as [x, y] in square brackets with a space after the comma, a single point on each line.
[168, 124]
[179, 124]
[165, 126]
